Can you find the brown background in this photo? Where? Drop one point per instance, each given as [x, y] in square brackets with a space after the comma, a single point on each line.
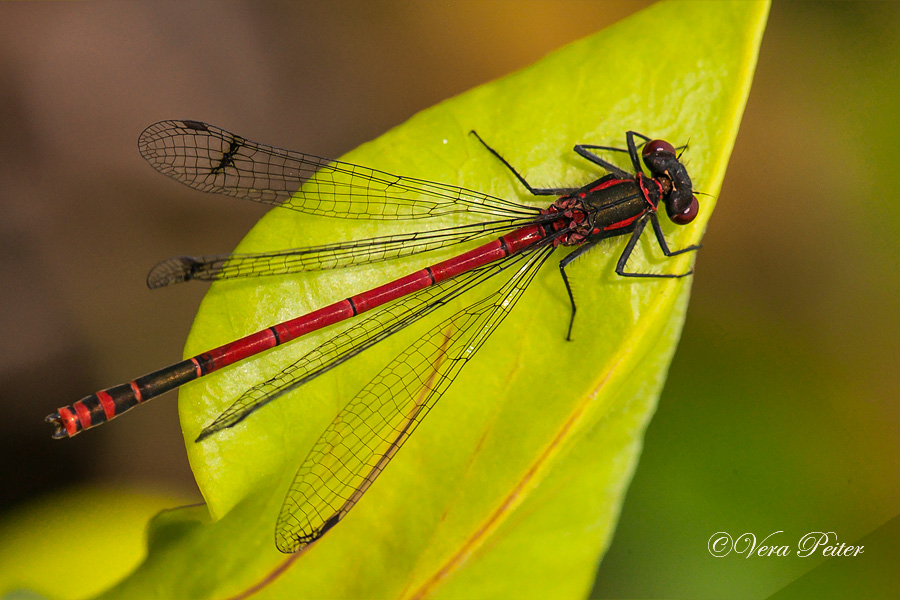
[784, 386]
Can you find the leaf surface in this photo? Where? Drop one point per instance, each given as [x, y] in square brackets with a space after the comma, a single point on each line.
[512, 485]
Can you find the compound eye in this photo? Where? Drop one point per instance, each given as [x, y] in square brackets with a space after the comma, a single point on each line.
[688, 215]
[658, 147]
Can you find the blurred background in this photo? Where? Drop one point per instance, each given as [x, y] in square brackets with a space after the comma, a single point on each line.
[780, 412]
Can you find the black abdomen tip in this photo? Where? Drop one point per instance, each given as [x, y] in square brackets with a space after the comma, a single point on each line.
[59, 429]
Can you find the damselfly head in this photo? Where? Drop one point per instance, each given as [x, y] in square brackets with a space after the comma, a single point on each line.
[657, 148]
[686, 216]
[681, 204]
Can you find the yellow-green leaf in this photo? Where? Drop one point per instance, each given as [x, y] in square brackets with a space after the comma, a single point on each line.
[511, 487]
[43, 545]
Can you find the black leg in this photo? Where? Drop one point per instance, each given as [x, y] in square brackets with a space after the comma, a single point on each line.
[532, 190]
[635, 134]
[661, 238]
[632, 242]
[631, 151]
[562, 270]
[584, 150]
[629, 248]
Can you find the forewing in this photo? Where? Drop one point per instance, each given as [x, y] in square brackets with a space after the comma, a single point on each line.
[211, 159]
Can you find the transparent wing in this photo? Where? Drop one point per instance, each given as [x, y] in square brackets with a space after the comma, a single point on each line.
[354, 340]
[211, 159]
[317, 258]
[369, 431]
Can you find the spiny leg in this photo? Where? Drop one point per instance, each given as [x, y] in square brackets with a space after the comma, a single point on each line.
[533, 190]
[632, 242]
[632, 151]
[663, 244]
[585, 151]
[635, 134]
[562, 270]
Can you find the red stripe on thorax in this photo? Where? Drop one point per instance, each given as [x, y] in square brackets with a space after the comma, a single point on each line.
[641, 179]
[623, 223]
[607, 184]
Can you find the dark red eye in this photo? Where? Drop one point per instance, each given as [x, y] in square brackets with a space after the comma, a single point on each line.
[657, 147]
[689, 213]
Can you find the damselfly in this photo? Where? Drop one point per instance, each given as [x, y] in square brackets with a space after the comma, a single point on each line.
[374, 425]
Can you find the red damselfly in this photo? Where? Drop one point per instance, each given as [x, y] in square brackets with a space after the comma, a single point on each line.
[373, 426]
